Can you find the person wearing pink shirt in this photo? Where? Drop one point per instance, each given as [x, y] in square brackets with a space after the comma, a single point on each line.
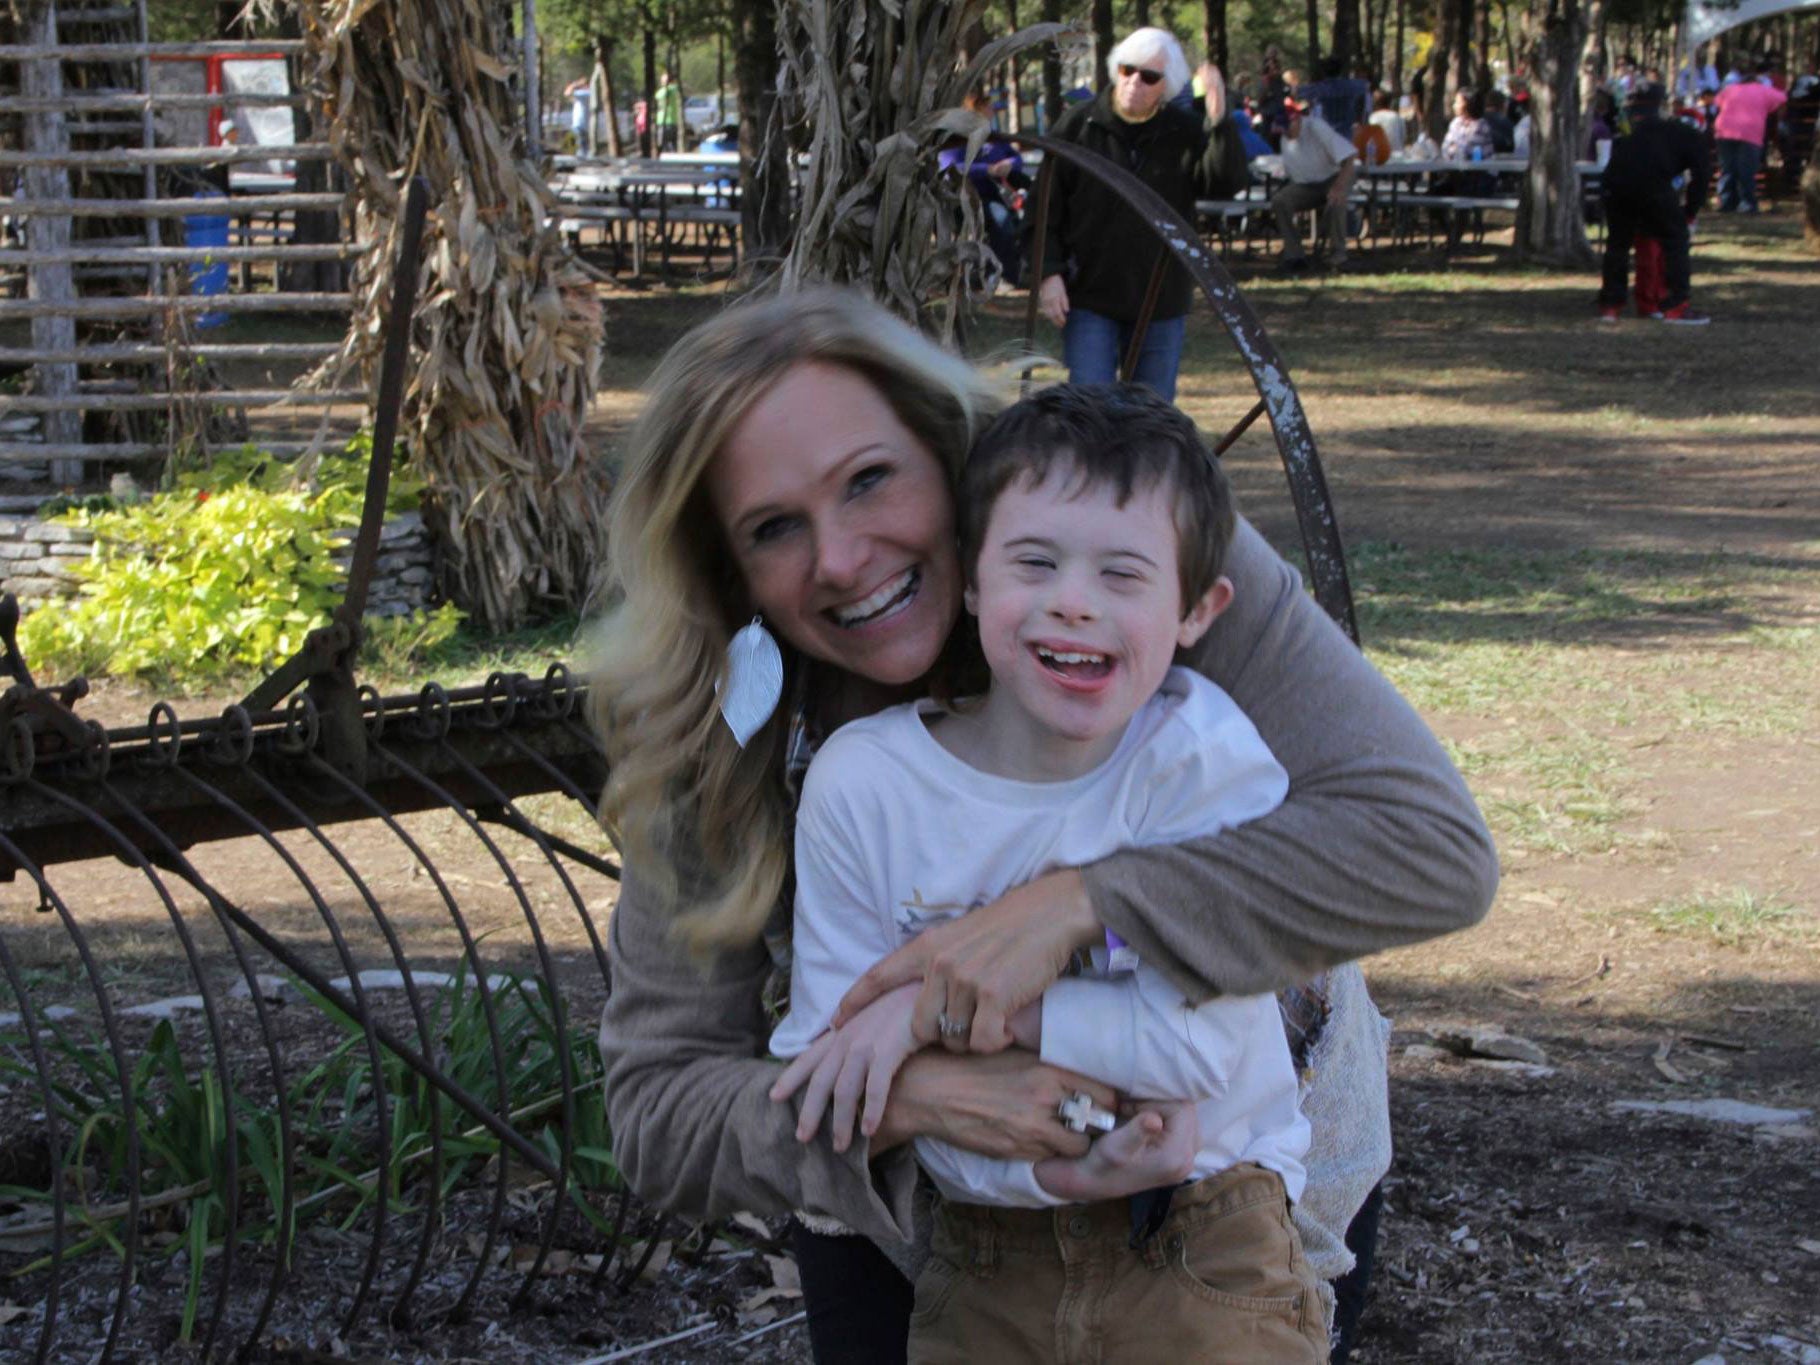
[1744, 113]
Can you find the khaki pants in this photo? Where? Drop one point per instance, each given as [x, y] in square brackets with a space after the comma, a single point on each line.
[1223, 1282]
[1292, 199]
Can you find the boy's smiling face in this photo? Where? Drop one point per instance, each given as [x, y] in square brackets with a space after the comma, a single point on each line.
[1080, 613]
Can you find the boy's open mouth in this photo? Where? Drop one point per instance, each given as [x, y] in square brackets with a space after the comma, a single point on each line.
[1075, 665]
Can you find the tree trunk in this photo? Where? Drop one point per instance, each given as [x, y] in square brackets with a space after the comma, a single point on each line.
[1462, 75]
[1314, 39]
[1435, 94]
[1396, 56]
[1482, 74]
[1052, 71]
[1213, 34]
[1551, 221]
[1142, 7]
[647, 145]
[1344, 41]
[1014, 85]
[606, 97]
[764, 160]
[1103, 41]
[1810, 199]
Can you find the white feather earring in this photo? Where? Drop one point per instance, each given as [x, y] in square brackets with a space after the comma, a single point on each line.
[754, 683]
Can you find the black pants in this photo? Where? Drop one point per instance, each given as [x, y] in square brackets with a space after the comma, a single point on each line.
[859, 1303]
[1652, 215]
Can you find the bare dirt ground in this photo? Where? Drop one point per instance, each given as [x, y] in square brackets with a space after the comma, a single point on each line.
[1591, 556]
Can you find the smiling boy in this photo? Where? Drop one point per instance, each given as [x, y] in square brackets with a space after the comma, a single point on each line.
[1092, 526]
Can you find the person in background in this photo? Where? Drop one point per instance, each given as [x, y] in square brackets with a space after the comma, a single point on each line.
[1503, 131]
[997, 176]
[580, 95]
[1653, 186]
[1694, 78]
[1320, 166]
[1601, 126]
[1098, 251]
[1745, 110]
[1340, 100]
[1384, 115]
[669, 114]
[1521, 135]
[1273, 90]
[1468, 129]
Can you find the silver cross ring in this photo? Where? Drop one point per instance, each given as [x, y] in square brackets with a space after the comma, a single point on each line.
[1078, 1113]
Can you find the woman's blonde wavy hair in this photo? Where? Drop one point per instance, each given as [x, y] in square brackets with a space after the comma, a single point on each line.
[706, 823]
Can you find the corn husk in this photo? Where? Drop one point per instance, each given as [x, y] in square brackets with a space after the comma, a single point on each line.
[507, 332]
[874, 88]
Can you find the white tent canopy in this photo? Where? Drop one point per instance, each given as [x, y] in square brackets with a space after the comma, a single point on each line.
[1706, 20]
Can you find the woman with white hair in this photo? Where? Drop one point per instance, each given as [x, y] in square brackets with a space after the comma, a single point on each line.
[1094, 283]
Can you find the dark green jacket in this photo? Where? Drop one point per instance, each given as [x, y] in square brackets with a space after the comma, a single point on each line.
[1105, 247]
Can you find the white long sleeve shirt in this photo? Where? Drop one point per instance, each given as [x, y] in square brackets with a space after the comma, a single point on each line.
[894, 834]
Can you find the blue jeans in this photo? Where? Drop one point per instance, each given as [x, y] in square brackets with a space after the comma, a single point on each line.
[1094, 346]
[1738, 174]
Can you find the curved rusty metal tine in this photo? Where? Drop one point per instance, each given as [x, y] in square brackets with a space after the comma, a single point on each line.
[624, 1202]
[1146, 311]
[1295, 443]
[28, 1020]
[660, 1223]
[528, 827]
[129, 1105]
[565, 1064]
[502, 1126]
[426, 1036]
[286, 1141]
[214, 899]
[574, 852]
[230, 1196]
[1039, 239]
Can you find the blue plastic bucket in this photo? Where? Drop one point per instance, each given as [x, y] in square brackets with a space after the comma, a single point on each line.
[207, 277]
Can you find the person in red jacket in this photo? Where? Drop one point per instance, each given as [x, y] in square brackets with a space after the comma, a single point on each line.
[1653, 186]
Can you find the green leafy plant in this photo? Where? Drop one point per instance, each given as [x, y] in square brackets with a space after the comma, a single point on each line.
[334, 1107]
[223, 573]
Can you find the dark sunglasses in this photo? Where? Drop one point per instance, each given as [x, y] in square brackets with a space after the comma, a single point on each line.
[1146, 76]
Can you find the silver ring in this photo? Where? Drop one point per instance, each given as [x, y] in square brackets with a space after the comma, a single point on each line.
[1078, 1113]
[951, 1028]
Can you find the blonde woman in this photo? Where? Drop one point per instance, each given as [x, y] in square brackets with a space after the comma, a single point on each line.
[792, 474]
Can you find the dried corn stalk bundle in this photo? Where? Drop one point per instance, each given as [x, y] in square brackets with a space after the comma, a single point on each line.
[508, 327]
[876, 85]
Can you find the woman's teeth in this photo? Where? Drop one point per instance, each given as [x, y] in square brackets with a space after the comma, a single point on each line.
[897, 591]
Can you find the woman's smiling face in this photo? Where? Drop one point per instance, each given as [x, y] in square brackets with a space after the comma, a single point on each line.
[841, 522]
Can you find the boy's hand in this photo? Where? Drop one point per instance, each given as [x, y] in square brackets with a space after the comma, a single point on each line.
[858, 1059]
[1155, 1146]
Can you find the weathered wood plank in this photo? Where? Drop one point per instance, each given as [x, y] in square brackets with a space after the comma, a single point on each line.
[237, 206]
[50, 289]
[153, 402]
[146, 305]
[133, 157]
[132, 353]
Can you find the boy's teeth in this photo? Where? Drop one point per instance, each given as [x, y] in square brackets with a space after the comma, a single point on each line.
[1070, 657]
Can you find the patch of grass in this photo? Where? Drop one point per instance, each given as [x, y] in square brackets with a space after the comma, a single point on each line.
[1737, 916]
[468, 655]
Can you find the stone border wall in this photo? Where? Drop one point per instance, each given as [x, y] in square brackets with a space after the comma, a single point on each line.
[37, 559]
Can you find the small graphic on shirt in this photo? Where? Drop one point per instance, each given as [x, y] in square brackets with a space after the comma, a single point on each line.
[917, 914]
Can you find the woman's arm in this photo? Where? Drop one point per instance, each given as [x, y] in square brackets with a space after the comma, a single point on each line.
[694, 1129]
[1378, 844]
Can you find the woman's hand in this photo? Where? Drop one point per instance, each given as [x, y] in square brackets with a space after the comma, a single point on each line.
[979, 969]
[1052, 300]
[1002, 1106]
[860, 1057]
[1214, 85]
